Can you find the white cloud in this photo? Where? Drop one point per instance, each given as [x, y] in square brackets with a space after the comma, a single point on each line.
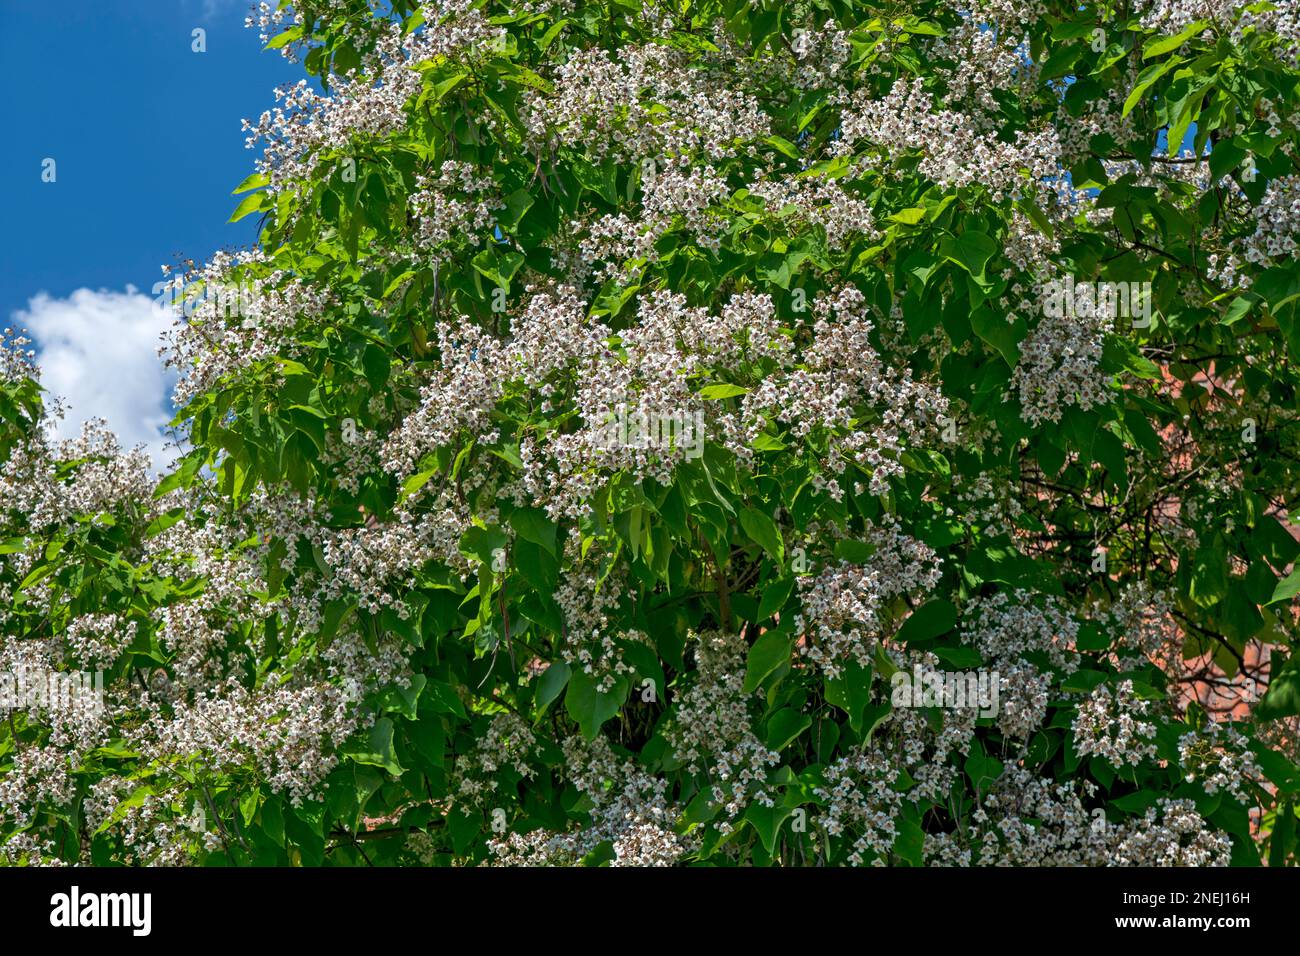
[99, 352]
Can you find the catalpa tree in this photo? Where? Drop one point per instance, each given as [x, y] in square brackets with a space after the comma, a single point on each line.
[699, 432]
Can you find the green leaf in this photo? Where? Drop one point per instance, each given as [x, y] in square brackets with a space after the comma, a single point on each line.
[248, 805]
[120, 810]
[1083, 681]
[962, 658]
[783, 146]
[533, 525]
[1283, 837]
[377, 750]
[854, 551]
[551, 33]
[929, 620]
[909, 217]
[712, 393]
[770, 651]
[285, 38]
[1146, 79]
[255, 181]
[443, 698]
[273, 821]
[498, 265]
[443, 87]
[909, 844]
[517, 204]
[982, 769]
[1287, 588]
[414, 483]
[553, 680]
[994, 329]
[483, 544]
[249, 204]
[405, 700]
[851, 692]
[602, 854]
[1165, 44]
[1282, 699]
[1209, 582]
[1181, 114]
[763, 530]
[784, 726]
[767, 821]
[1238, 309]
[774, 596]
[589, 706]
[971, 250]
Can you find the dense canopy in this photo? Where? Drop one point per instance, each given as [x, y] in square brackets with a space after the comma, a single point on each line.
[699, 431]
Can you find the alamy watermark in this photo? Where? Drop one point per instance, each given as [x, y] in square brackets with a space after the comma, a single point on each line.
[231, 300]
[75, 908]
[1088, 300]
[951, 689]
[52, 691]
[643, 427]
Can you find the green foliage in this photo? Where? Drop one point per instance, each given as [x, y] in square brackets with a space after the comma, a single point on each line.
[717, 548]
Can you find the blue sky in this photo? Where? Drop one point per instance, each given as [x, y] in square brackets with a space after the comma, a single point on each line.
[146, 136]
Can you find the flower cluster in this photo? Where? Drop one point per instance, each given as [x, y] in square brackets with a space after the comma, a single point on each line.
[649, 102]
[1220, 758]
[842, 608]
[1109, 724]
[307, 126]
[954, 152]
[441, 216]
[1060, 367]
[712, 729]
[628, 808]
